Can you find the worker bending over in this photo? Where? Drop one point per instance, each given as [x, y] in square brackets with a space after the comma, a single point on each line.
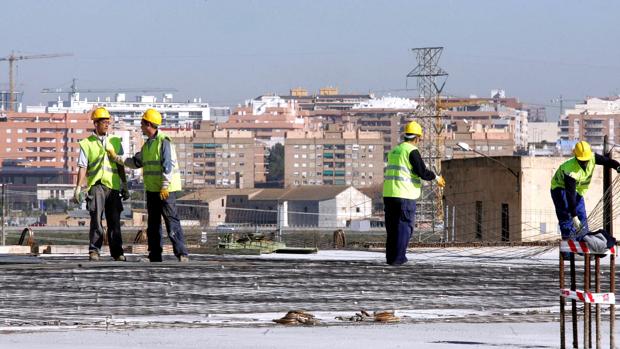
[569, 185]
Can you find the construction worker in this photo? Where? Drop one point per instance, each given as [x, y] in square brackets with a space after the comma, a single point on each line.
[162, 181]
[402, 186]
[570, 183]
[105, 184]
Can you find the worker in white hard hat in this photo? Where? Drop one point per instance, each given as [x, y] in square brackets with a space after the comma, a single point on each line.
[402, 186]
[106, 185]
[569, 185]
[162, 182]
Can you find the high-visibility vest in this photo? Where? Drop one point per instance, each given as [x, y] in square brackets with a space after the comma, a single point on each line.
[399, 180]
[572, 168]
[152, 170]
[99, 167]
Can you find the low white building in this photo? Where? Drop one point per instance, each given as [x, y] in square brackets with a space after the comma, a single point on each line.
[175, 114]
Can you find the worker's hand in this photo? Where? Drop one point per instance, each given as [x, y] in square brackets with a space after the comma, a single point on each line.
[77, 195]
[164, 193]
[109, 148]
[440, 181]
[124, 192]
[576, 223]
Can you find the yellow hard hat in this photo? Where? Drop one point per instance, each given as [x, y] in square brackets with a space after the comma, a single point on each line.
[413, 128]
[152, 116]
[99, 113]
[582, 151]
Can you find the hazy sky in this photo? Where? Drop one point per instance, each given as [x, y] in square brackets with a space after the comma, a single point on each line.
[229, 51]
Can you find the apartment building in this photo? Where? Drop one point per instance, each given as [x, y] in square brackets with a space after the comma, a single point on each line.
[328, 98]
[218, 158]
[268, 117]
[42, 140]
[39, 148]
[175, 114]
[491, 142]
[335, 156]
[591, 121]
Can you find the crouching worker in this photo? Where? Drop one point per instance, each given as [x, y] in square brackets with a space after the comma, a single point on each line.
[569, 185]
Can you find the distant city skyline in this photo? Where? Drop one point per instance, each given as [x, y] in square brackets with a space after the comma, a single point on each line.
[227, 51]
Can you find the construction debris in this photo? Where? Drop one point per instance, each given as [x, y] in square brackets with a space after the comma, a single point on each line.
[379, 316]
[386, 316]
[296, 317]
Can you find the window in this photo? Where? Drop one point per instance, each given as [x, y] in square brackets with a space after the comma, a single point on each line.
[479, 220]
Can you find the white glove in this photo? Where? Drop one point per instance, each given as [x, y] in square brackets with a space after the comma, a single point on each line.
[576, 223]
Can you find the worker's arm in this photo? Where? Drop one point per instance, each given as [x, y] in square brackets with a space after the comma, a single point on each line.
[570, 189]
[607, 162]
[82, 166]
[80, 176]
[419, 167]
[133, 162]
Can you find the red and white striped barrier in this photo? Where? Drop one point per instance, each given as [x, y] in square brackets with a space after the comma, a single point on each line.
[580, 247]
[587, 297]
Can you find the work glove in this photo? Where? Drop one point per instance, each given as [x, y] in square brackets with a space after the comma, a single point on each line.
[164, 193]
[78, 195]
[576, 223]
[124, 192]
[440, 181]
[618, 169]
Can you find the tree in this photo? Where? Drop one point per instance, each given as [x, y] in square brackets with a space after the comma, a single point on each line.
[275, 166]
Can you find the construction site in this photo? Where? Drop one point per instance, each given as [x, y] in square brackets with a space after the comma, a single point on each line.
[303, 262]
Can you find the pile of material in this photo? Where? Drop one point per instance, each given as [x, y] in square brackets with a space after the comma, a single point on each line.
[379, 316]
[296, 317]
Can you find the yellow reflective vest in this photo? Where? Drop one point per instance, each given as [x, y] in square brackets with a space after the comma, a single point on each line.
[399, 180]
[152, 169]
[571, 168]
[99, 167]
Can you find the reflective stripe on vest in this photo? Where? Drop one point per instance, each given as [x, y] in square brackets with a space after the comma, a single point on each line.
[152, 169]
[99, 167]
[572, 169]
[399, 180]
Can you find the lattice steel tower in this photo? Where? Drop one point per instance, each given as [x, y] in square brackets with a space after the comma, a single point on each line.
[430, 80]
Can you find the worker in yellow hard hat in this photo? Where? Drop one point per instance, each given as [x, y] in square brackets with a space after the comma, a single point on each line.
[162, 182]
[402, 186]
[569, 185]
[106, 184]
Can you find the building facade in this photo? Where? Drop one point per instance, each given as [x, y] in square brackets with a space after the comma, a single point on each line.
[333, 157]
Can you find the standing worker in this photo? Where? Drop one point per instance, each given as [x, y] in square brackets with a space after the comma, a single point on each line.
[402, 186]
[106, 184]
[162, 181]
[570, 183]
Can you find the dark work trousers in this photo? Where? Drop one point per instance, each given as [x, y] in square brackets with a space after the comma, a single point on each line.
[399, 220]
[156, 208]
[100, 200]
[565, 218]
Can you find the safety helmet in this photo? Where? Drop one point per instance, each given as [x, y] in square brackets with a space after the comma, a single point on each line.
[413, 128]
[582, 151]
[99, 113]
[152, 116]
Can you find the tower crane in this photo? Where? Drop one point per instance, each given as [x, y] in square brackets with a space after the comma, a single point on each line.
[12, 58]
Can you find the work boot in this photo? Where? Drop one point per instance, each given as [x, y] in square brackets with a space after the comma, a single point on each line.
[183, 258]
[120, 258]
[93, 256]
